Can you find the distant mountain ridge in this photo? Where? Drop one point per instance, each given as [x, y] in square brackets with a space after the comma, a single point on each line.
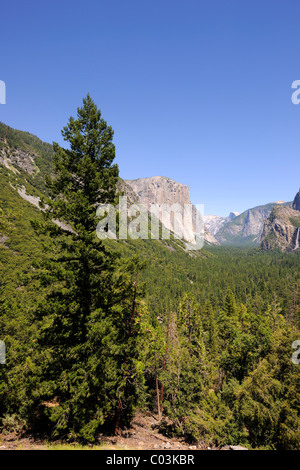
[244, 229]
[215, 222]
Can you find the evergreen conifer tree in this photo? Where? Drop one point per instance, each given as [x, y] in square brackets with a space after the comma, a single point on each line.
[87, 322]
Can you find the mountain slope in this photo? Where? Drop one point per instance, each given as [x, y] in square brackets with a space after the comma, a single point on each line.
[25, 155]
[282, 228]
[246, 228]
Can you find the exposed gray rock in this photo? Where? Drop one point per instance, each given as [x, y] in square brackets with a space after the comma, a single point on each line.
[126, 189]
[36, 202]
[296, 203]
[12, 158]
[160, 190]
[281, 229]
[215, 222]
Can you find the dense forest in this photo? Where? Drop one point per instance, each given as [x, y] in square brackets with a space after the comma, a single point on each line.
[98, 330]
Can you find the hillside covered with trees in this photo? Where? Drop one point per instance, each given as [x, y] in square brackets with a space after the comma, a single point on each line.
[96, 331]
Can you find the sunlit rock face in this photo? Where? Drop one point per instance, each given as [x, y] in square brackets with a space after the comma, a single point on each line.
[175, 198]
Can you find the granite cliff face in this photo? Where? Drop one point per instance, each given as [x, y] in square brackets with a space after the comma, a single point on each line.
[159, 190]
[282, 229]
[162, 190]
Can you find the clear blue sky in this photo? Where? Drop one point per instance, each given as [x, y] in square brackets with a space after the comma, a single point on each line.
[199, 91]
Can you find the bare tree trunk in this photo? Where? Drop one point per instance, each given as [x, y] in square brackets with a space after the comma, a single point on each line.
[118, 419]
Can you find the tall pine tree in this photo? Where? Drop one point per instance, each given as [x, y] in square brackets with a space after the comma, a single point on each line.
[87, 323]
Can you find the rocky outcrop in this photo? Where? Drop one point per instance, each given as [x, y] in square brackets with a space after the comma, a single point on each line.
[282, 230]
[214, 223]
[124, 188]
[160, 190]
[17, 158]
[209, 237]
[296, 202]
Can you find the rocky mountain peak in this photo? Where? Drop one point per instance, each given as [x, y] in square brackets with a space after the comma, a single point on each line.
[296, 203]
[232, 215]
[216, 222]
[160, 190]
